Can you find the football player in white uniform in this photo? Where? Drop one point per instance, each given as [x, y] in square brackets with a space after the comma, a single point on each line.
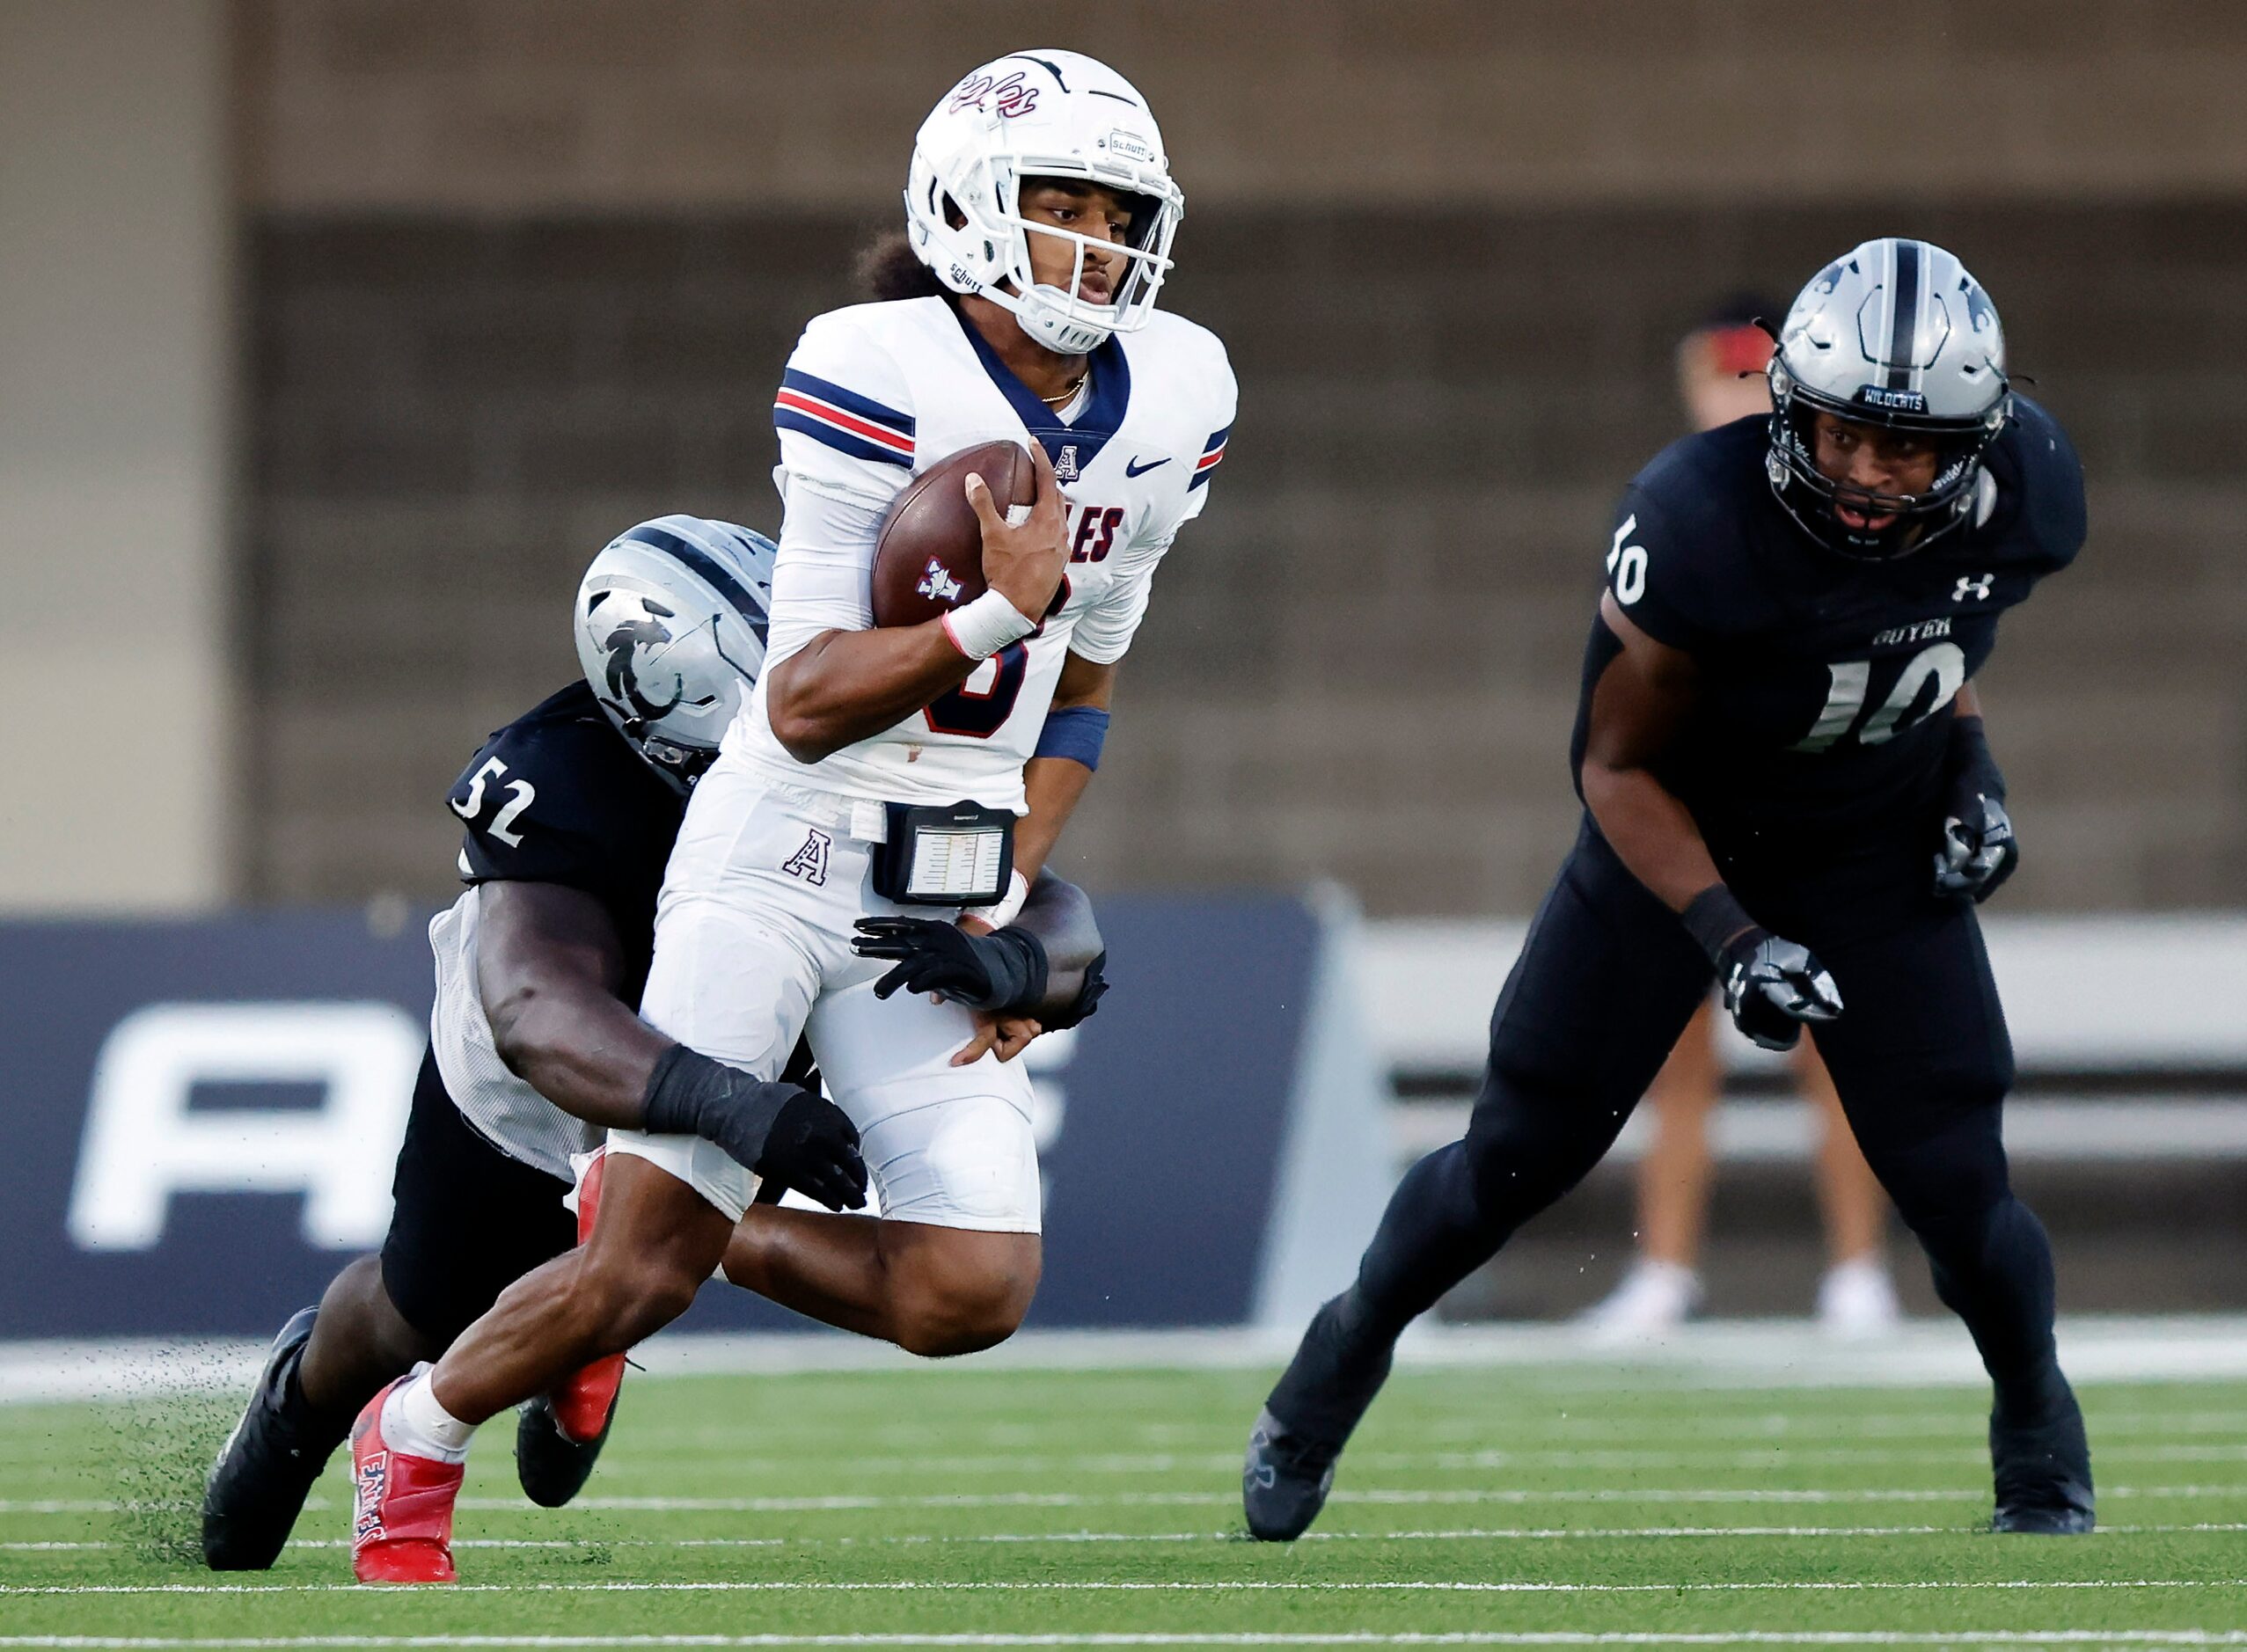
[885, 774]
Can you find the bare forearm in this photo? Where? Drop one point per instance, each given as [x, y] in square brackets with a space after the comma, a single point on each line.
[1054, 786]
[579, 1046]
[845, 685]
[1651, 832]
[1642, 699]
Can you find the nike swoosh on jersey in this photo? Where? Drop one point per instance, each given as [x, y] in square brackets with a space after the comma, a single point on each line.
[1132, 467]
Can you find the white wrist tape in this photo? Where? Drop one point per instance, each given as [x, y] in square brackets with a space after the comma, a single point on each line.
[1007, 907]
[985, 625]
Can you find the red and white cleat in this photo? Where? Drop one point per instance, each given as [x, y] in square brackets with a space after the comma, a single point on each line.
[401, 1529]
[583, 1401]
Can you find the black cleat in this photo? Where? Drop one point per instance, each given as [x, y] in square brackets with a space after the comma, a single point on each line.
[2044, 1472]
[552, 1467]
[265, 1469]
[1285, 1482]
[1290, 1465]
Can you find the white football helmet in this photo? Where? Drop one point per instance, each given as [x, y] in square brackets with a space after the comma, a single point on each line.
[1897, 333]
[671, 625]
[1041, 114]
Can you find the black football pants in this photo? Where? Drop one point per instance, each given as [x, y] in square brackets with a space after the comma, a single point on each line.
[1603, 988]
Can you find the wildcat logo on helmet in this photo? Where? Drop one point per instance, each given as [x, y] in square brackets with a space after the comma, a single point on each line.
[621, 645]
[979, 90]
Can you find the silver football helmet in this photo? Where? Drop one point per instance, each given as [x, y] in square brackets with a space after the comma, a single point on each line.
[1895, 333]
[671, 626]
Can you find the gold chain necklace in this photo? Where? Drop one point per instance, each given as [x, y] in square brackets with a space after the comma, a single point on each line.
[1068, 390]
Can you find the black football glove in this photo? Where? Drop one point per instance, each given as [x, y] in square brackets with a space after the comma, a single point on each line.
[1979, 851]
[1005, 971]
[779, 1131]
[1979, 848]
[812, 1146]
[1772, 986]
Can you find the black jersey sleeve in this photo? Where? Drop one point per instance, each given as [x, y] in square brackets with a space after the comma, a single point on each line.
[1678, 558]
[2054, 520]
[1655, 575]
[543, 802]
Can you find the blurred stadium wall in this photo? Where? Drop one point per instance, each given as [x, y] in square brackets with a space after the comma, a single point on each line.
[118, 349]
[514, 274]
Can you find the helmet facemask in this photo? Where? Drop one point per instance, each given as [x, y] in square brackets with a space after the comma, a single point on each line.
[988, 254]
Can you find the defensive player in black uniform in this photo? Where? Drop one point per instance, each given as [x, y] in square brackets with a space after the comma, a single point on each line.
[1781, 756]
[570, 813]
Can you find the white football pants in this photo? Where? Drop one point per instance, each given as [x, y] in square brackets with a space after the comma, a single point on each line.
[752, 951]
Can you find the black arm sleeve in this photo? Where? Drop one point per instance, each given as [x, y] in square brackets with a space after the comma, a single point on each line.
[1060, 916]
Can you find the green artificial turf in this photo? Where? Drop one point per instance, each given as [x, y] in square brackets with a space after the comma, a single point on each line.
[953, 1505]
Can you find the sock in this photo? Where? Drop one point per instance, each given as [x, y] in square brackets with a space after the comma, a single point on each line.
[413, 1423]
[318, 1429]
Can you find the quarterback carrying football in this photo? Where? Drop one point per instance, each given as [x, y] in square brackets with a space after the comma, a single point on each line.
[569, 813]
[882, 779]
[1786, 785]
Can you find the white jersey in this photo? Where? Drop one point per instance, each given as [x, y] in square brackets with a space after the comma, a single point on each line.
[876, 393]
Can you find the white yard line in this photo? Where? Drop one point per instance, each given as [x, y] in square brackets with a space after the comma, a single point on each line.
[987, 1465]
[1735, 1353]
[1106, 1586]
[1441, 1535]
[1652, 1495]
[1543, 1432]
[1470, 1637]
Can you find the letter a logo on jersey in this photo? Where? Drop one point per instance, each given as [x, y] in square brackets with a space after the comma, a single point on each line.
[809, 862]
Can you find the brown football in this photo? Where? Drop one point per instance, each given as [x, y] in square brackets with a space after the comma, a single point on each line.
[929, 558]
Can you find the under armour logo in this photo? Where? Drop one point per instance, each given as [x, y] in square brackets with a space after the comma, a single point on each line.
[1968, 586]
[1065, 468]
[809, 862]
[939, 583]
